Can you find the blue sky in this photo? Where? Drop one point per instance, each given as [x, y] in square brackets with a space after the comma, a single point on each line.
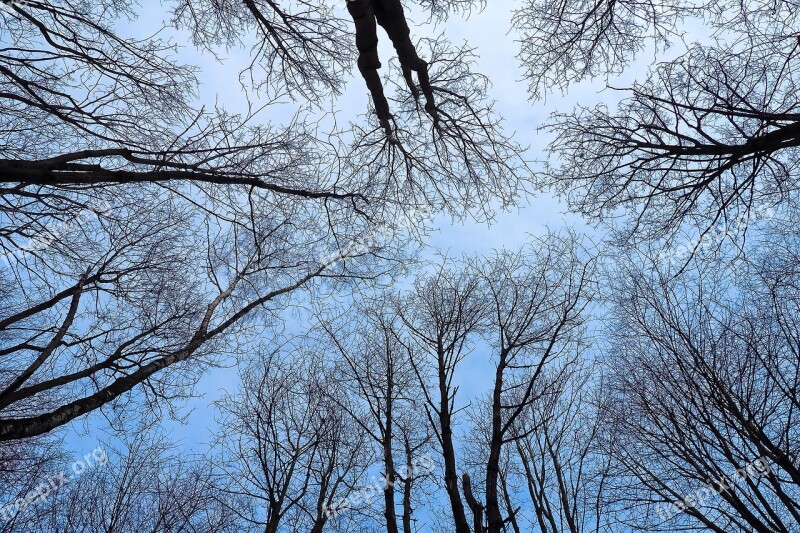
[489, 32]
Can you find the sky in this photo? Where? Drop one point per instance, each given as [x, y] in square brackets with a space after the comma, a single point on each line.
[488, 32]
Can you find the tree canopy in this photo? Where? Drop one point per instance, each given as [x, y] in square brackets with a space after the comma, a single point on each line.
[162, 220]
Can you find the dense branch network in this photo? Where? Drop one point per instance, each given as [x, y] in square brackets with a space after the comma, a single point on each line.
[141, 232]
[706, 137]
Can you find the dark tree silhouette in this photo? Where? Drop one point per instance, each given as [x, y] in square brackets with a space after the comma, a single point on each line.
[140, 232]
[286, 452]
[24, 466]
[442, 314]
[536, 301]
[390, 16]
[701, 139]
[147, 472]
[529, 306]
[384, 400]
[703, 396]
[557, 456]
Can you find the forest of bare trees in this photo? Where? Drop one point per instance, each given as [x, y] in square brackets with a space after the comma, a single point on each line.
[236, 293]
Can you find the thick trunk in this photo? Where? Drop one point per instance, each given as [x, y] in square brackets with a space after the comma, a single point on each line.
[493, 516]
[17, 428]
[273, 521]
[451, 476]
[474, 505]
[319, 525]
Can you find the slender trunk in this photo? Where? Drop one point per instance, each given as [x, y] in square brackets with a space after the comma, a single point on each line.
[512, 512]
[448, 451]
[562, 487]
[388, 459]
[388, 492]
[322, 517]
[407, 510]
[493, 516]
[538, 503]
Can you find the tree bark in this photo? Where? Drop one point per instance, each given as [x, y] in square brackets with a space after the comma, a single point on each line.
[474, 505]
[448, 450]
[388, 461]
[407, 483]
[493, 516]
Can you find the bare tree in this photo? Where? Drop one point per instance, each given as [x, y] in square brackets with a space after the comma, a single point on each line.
[566, 42]
[384, 400]
[701, 413]
[536, 300]
[704, 138]
[143, 483]
[558, 457]
[530, 307]
[418, 475]
[140, 231]
[285, 452]
[26, 468]
[441, 314]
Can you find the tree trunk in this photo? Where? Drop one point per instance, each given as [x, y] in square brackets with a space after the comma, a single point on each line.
[388, 492]
[448, 452]
[493, 516]
[407, 482]
[474, 504]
